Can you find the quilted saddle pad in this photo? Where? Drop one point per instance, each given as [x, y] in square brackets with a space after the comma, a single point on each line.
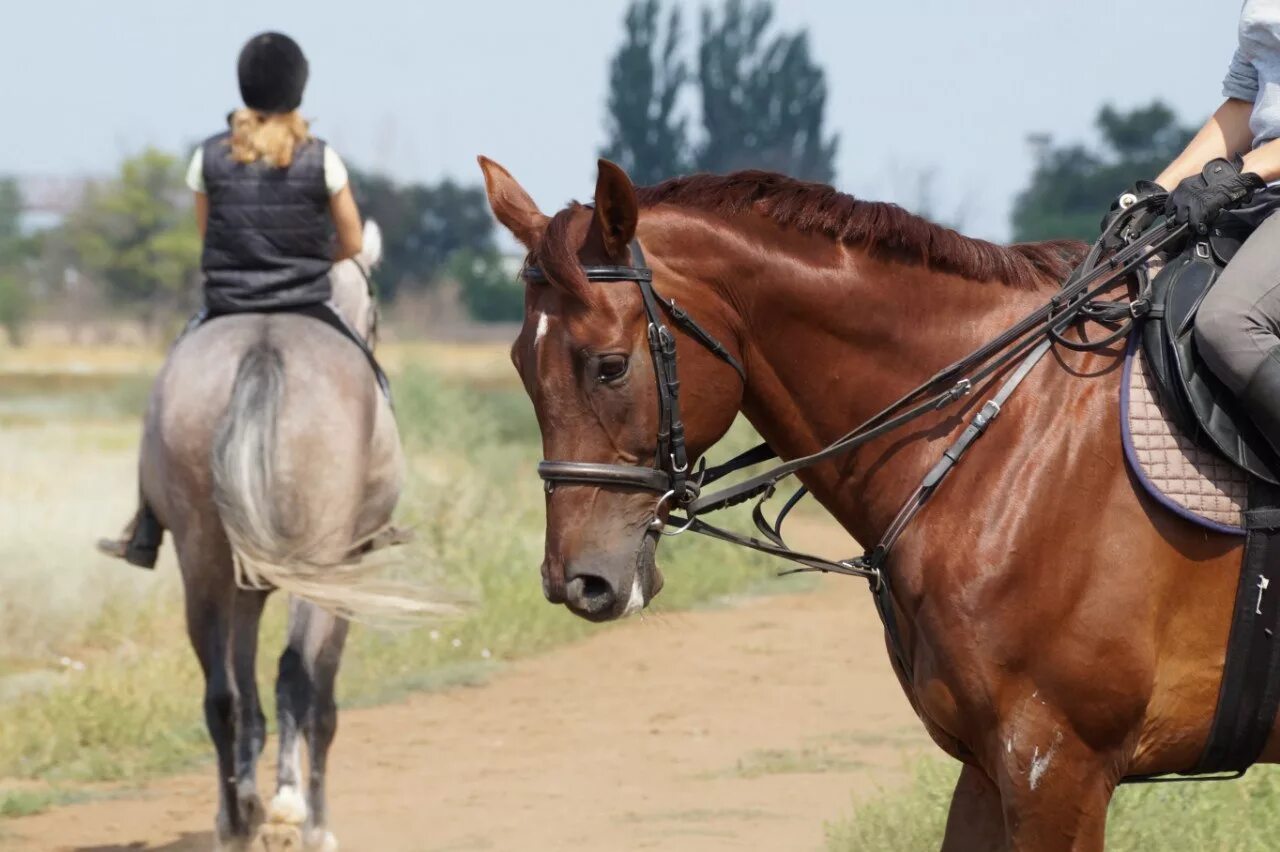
[1193, 482]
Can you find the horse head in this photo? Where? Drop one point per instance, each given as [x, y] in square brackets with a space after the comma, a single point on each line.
[585, 357]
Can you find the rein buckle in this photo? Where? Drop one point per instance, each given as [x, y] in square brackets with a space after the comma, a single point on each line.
[961, 389]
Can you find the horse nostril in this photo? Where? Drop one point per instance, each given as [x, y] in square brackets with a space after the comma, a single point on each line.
[590, 594]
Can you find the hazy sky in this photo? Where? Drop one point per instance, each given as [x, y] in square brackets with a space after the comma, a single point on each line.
[419, 88]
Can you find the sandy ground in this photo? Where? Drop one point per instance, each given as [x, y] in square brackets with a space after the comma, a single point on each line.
[744, 727]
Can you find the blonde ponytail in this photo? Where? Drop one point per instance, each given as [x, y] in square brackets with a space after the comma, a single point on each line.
[267, 136]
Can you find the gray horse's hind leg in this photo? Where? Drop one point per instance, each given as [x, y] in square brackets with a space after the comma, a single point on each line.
[208, 606]
[307, 709]
[251, 724]
[222, 623]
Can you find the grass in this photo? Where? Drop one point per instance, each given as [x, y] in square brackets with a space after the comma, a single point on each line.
[97, 681]
[810, 759]
[1240, 816]
[18, 803]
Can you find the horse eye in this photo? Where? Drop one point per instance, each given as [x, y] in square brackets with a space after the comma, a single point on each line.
[610, 368]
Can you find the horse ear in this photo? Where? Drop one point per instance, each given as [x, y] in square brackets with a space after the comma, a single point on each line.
[511, 205]
[617, 209]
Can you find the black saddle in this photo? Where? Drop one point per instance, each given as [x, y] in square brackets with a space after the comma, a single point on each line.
[1200, 404]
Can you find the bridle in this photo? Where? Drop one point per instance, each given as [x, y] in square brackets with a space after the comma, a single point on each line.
[670, 475]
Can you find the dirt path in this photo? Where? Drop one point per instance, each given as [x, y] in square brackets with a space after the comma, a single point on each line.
[738, 728]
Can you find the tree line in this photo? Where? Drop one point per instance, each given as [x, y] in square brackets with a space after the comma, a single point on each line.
[743, 95]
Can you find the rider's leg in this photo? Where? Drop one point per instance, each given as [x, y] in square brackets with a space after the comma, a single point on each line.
[1238, 328]
[140, 544]
[143, 535]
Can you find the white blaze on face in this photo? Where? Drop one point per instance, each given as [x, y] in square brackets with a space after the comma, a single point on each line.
[541, 331]
[635, 603]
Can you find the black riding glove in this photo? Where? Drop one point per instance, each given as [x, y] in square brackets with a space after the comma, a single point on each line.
[1126, 218]
[1199, 199]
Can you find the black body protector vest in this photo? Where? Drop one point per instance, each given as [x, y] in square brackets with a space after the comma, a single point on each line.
[269, 240]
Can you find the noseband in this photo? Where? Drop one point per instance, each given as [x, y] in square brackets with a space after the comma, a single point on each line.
[670, 475]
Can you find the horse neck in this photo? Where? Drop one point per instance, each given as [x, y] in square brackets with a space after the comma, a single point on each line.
[833, 334]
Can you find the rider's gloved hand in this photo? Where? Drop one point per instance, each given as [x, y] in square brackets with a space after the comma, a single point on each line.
[1127, 218]
[1199, 199]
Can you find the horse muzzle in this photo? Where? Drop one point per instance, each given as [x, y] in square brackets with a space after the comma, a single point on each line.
[604, 587]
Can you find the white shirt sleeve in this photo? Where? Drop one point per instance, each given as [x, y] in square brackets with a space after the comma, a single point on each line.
[195, 171]
[335, 171]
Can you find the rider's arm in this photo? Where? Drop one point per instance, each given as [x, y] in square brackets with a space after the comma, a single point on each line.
[342, 206]
[195, 182]
[346, 221]
[1264, 161]
[1225, 134]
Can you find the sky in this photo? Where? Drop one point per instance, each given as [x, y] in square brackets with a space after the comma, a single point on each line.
[945, 88]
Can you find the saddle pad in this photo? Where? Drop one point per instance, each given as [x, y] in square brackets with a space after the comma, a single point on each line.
[1194, 482]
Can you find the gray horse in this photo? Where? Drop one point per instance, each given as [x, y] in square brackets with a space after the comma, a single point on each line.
[273, 458]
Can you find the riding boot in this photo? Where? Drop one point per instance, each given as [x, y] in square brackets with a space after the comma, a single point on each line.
[1261, 398]
[141, 543]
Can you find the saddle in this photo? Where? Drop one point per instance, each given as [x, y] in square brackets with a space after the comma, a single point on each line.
[1200, 405]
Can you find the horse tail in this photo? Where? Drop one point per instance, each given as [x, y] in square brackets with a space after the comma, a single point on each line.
[273, 544]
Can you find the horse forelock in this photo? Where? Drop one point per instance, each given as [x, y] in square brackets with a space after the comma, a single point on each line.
[556, 253]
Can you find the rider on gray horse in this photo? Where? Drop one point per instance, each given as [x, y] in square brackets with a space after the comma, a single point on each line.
[269, 198]
[1229, 165]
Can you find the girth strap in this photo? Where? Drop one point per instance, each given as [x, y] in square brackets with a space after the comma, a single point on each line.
[1249, 695]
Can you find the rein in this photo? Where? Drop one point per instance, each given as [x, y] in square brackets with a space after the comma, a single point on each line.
[1025, 342]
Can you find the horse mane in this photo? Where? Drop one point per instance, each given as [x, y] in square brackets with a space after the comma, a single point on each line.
[880, 226]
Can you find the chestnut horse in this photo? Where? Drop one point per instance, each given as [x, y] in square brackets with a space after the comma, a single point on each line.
[1062, 631]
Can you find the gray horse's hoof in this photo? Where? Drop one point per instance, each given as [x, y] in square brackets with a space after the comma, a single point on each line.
[281, 837]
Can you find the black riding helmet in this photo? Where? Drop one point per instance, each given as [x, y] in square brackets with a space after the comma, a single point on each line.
[273, 73]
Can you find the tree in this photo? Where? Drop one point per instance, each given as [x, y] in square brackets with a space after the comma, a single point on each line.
[137, 235]
[1072, 186]
[763, 101]
[647, 136]
[422, 226]
[490, 293]
[15, 251]
[15, 307]
[11, 242]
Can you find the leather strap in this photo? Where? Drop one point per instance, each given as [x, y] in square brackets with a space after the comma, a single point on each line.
[590, 473]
